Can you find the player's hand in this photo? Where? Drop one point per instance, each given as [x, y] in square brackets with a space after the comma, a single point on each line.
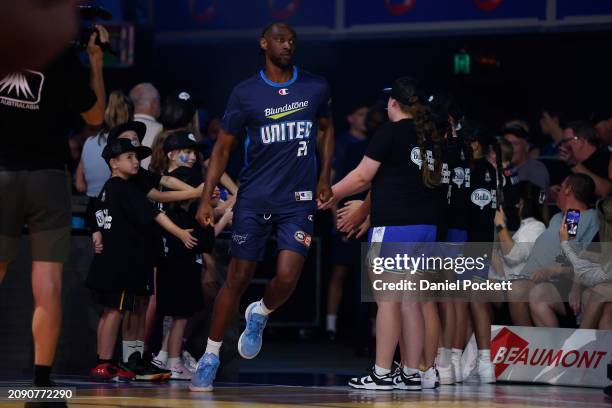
[325, 195]
[95, 52]
[563, 234]
[205, 215]
[188, 240]
[349, 216]
[96, 238]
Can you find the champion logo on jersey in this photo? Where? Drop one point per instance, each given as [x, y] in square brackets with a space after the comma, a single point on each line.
[283, 91]
[286, 110]
[22, 89]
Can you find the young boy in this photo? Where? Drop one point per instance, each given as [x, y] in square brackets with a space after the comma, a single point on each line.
[119, 272]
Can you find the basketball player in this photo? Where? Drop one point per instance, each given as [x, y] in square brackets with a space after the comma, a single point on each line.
[281, 108]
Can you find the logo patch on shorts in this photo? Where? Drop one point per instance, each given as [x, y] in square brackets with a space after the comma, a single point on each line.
[303, 196]
[240, 238]
[303, 238]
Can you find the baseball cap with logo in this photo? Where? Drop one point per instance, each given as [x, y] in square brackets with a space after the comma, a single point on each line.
[182, 140]
[138, 127]
[116, 147]
[406, 90]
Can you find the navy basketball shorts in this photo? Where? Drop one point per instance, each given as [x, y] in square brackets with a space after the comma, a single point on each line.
[252, 230]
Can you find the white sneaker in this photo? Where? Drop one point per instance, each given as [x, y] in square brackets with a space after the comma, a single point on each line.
[458, 369]
[486, 372]
[447, 374]
[428, 379]
[189, 362]
[180, 372]
[159, 363]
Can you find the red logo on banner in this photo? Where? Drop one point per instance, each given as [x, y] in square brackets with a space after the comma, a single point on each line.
[397, 8]
[501, 345]
[282, 13]
[201, 14]
[488, 5]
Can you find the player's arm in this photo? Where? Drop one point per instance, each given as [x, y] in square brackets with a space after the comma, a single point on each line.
[326, 153]
[218, 163]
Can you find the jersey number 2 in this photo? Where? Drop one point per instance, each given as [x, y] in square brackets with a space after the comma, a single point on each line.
[303, 149]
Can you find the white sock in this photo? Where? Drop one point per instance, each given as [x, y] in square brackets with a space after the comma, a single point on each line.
[456, 352]
[162, 356]
[381, 371]
[331, 322]
[484, 354]
[444, 357]
[409, 371]
[261, 308]
[139, 346]
[128, 348]
[172, 361]
[213, 347]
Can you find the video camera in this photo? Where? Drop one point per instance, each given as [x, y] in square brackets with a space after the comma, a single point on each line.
[88, 15]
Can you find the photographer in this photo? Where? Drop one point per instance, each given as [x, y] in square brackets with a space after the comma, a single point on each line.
[36, 109]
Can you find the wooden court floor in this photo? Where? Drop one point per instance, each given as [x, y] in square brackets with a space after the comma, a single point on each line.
[250, 395]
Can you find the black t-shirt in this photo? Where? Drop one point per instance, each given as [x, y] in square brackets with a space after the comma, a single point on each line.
[459, 187]
[146, 180]
[125, 217]
[399, 196]
[36, 112]
[482, 202]
[598, 163]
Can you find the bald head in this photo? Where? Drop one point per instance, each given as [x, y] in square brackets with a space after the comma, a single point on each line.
[146, 99]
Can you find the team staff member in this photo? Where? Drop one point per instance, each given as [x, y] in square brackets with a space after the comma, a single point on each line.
[36, 109]
[404, 208]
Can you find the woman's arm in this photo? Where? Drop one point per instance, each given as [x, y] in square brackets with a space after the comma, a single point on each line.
[79, 178]
[173, 196]
[355, 182]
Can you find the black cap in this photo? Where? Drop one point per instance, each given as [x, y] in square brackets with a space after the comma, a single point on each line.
[138, 127]
[406, 91]
[178, 110]
[182, 140]
[516, 131]
[117, 147]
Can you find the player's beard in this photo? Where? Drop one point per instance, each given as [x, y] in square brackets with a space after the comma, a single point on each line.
[282, 63]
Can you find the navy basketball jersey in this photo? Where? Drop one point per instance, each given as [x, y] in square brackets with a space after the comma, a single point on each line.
[280, 121]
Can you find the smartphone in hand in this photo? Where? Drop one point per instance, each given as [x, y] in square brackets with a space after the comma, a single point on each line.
[572, 217]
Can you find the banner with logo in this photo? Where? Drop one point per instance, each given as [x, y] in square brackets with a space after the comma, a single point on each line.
[567, 8]
[550, 355]
[190, 15]
[405, 11]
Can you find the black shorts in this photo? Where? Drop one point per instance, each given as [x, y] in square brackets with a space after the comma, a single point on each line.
[122, 301]
[41, 200]
[178, 287]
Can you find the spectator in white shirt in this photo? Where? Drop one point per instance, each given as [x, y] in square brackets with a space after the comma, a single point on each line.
[515, 249]
[147, 109]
